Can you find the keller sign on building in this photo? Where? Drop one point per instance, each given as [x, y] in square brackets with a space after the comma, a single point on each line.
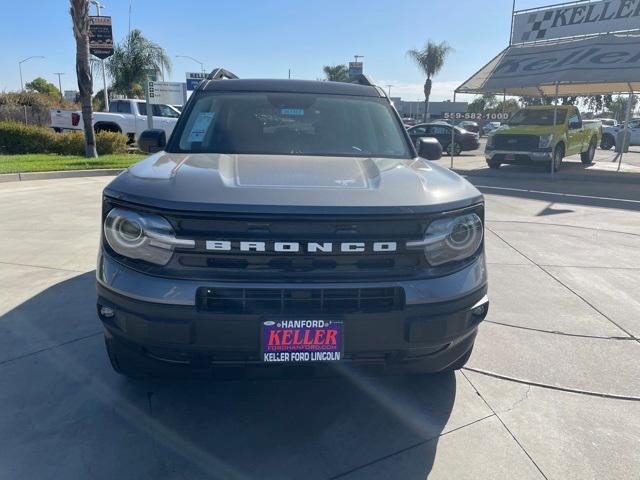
[586, 18]
[193, 79]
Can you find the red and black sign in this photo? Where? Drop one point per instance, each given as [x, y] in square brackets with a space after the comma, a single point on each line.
[100, 37]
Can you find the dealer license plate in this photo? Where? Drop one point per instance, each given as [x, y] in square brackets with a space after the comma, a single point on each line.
[302, 341]
[509, 157]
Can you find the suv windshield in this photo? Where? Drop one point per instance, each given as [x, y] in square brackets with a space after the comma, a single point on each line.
[537, 117]
[292, 123]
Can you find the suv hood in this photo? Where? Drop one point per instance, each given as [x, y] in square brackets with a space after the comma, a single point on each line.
[211, 181]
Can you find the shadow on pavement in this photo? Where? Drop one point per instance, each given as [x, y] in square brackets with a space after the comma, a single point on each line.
[67, 415]
[607, 194]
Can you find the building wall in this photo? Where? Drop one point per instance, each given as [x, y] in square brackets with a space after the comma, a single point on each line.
[415, 109]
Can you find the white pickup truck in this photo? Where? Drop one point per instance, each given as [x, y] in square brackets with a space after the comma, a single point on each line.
[610, 134]
[125, 116]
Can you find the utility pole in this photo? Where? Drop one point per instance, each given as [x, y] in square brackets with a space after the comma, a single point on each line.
[59, 74]
[98, 6]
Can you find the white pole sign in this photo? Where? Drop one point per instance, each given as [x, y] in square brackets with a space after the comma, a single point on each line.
[170, 93]
[585, 18]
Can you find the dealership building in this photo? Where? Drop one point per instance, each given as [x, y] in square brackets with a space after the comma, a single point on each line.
[415, 109]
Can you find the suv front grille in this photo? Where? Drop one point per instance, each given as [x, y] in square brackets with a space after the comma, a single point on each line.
[276, 301]
[516, 142]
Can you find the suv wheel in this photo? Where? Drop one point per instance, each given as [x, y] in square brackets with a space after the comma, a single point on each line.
[608, 142]
[587, 157]
[457, 149]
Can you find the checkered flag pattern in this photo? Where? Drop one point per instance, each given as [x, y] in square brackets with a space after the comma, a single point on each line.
[538, 26]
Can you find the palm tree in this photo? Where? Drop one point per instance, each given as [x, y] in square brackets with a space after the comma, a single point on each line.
[131, 62]
[430, 60]
[337, 73]
[79, 11]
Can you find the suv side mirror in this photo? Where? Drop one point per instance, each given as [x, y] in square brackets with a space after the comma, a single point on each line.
[429, 148]
[152, 141]
[575, 125]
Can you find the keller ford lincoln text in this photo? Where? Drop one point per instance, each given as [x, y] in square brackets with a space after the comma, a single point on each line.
[289, 223]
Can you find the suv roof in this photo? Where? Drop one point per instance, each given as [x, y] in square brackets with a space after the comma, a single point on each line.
[291, 86]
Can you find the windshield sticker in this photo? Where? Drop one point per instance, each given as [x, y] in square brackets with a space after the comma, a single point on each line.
[298, 112]
[200, 126]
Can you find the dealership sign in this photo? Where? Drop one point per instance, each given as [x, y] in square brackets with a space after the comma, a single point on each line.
[608, 59]
[194, 79]
[586, 18]
[475, 116]
[171, 93]
[100, 37]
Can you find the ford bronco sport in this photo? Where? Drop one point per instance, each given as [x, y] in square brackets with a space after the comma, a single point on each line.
[290, 222]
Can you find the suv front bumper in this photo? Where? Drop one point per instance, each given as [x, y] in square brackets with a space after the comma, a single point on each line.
[158, 318]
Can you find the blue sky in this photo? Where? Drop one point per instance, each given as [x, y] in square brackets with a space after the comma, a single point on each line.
[266, 38]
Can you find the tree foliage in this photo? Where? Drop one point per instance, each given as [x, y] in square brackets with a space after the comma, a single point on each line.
[40, 85]
[430, 60]
[131, 62]
[336, 73]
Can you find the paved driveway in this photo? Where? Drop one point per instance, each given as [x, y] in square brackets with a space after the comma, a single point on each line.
[551, 390]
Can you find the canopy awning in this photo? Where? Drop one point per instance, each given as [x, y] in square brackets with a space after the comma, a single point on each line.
[605, 64]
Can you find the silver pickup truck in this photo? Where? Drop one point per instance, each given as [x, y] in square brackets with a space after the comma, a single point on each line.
[289, 223]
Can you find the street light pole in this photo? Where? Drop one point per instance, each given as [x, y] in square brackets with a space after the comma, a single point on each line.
[20, 68]
[197, 61]
[389, 87]
[98, 6]
[59, 74]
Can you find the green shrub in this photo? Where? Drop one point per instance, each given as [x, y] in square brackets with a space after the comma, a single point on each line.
[109, 143]
[19, 138]
[68, 143]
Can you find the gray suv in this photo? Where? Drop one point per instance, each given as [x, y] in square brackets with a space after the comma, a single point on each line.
[289, 223]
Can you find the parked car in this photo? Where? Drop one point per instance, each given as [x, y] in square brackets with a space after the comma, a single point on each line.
[531, 136]
[463, 140]
[289, 222]
[490, 127]
[610, 133]
[409, 122]
[608, 122]
[469, 126]
[124, 116]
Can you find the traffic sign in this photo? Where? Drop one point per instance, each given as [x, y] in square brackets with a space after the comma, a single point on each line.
[100, 37]
[194, 79]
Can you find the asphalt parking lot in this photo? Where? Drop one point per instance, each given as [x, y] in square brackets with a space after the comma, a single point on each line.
[552, 389]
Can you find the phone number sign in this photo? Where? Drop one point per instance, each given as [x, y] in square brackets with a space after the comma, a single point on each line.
[475, 116]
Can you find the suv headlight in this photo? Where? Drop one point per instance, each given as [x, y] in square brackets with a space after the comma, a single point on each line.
[141, 236]
[451, 239]
[545, 141]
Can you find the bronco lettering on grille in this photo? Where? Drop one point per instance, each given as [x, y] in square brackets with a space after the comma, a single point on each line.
[296, 247]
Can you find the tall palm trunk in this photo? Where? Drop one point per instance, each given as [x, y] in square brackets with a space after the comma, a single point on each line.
[427, 94]
[80, 17]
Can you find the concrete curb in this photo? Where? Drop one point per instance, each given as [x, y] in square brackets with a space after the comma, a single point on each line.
[20, 177]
